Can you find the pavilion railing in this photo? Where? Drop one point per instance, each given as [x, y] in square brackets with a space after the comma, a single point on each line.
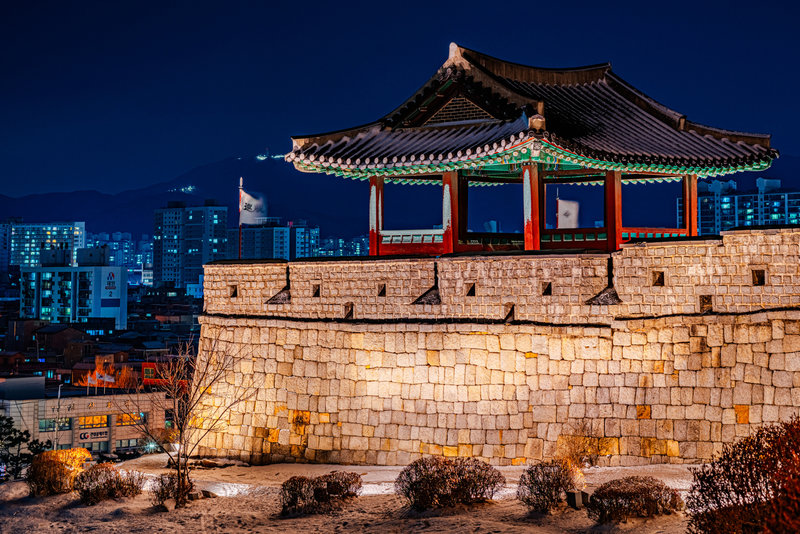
[632, 234]
[401, 237]
[494, 238]
[552, 236]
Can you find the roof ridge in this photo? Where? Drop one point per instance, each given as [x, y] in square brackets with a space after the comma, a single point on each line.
[487, 62]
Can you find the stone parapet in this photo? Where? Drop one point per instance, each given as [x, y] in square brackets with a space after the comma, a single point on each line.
[652, 279]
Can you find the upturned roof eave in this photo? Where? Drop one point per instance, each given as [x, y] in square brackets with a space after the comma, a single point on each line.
[489, 70]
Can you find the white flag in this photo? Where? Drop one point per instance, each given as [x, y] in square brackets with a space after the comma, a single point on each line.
[251, 207]
[567, 214]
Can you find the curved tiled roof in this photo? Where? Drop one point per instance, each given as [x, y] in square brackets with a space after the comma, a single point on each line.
[376, 146]
[587, 115]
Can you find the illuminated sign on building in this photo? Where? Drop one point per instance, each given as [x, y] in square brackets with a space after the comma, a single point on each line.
[93, 435]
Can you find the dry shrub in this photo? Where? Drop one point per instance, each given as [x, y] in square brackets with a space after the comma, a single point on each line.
[166, 487]
[297, 496]
[103, 481]
[338, 484]
[53, 472]
[733, 493]
[633, 496]
[435, 482]
[751, 485]
[426, 482]
[303, 495]
[784, 517]
[578, 445]
[476, 481]
[543, 486]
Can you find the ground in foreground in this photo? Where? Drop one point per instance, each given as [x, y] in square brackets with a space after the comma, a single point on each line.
[252, 505]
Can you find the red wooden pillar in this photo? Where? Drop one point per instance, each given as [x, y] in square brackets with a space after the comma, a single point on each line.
[690, 203]
[375, 214]
[463, 205]
[450, 212]
[613, 190]
[532, 199]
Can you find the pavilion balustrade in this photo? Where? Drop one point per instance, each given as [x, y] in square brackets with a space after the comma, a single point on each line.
[454, 237]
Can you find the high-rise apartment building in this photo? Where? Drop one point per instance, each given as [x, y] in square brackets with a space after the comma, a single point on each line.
[267, 240]
[339, 247]
[721, 207]
[184, 239]
[29, 239]
[59, 293]
[5, 246]
[304, 240]
[124, 251]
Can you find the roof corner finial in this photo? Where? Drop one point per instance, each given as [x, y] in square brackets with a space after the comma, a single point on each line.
[536, 122]
[454, 51]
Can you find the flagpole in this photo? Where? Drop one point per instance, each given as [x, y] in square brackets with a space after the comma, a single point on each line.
[240, 216]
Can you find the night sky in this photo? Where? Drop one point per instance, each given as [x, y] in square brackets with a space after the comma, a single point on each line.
[118, 95]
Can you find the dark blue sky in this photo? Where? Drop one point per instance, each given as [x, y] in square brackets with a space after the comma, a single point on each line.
[117, 95]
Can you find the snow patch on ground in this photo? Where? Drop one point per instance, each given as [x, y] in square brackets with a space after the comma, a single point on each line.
[379, 480]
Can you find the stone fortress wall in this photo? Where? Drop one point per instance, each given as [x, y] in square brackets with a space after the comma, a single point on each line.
[503, 359]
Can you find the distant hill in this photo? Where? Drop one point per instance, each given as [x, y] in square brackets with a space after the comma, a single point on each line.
[337, 205]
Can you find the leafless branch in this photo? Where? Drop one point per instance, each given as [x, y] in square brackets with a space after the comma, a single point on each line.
[200, 391]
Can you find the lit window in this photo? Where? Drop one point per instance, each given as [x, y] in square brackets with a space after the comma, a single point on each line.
[93, 421]
[127, 419]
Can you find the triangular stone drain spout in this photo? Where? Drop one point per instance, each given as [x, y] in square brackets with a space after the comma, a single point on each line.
[431, 296]
[608, 296]
[284, 296]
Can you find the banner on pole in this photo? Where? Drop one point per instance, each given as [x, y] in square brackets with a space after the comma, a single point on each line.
[567, 214]
[252, 207]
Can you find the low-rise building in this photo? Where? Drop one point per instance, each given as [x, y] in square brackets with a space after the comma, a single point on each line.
[100, 422]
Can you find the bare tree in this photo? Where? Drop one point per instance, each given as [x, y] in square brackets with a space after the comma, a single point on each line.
[188, 382]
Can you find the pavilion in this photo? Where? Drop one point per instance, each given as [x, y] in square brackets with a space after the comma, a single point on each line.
[483, 121]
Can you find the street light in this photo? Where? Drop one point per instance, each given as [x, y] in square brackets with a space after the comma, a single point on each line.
[58, 417]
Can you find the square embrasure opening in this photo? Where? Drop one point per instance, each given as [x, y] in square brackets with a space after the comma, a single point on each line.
[706, 303]
[658, 278]
[316, 291]
[759, 277]
[233, 291]
[381, 290]
[471, 290]
[547, 289]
